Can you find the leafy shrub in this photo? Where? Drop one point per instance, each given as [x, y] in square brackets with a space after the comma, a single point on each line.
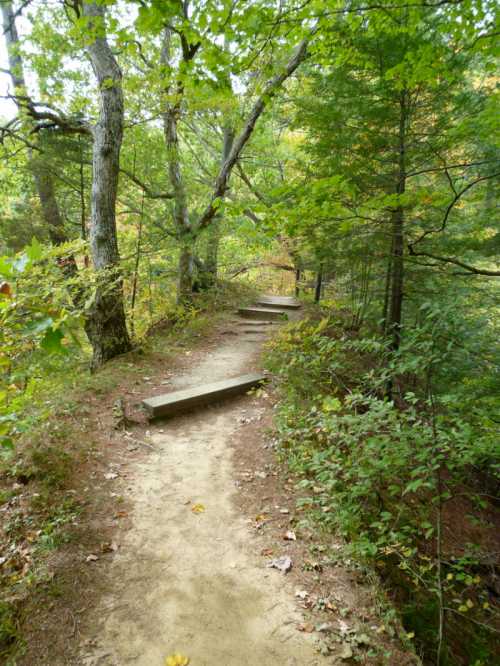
[382, 472]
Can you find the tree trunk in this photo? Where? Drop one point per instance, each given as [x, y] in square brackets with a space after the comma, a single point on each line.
[387, 290]
[170, 118]
[185, 273]
[319, 284]
[107, 327]
[214, 231]
[42, 177]
[396, 304]
[297, 281]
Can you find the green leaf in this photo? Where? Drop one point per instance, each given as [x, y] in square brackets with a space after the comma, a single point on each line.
[52, 341]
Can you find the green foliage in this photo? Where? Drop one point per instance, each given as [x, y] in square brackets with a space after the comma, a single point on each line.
[383, 474]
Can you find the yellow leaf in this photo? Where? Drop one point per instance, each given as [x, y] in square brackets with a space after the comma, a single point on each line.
[198, 508]
[449, 577]
[469, 603]
[410, 635]
[177, 660]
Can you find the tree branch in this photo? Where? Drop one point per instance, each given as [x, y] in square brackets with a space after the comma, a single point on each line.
[455, 262]
[270, 90]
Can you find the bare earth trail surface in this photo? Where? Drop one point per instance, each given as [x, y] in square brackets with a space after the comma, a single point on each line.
[191, 582]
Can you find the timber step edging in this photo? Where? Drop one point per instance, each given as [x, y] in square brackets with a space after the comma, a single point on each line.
[263, 313]
[288, 303]
[178, 402]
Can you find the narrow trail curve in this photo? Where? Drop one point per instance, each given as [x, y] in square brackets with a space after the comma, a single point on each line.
[192, 583]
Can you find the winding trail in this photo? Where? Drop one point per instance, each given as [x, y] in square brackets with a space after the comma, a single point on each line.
[192, 583]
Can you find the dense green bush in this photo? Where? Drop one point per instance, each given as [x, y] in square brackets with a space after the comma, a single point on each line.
[381, 472]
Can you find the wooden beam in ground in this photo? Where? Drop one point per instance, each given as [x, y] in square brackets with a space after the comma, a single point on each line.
[262, 313]
[288, 302]
[177, 402]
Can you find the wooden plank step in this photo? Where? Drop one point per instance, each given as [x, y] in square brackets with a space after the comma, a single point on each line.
[262, 313]
[256, 322]
[288, 302]
[170, 404]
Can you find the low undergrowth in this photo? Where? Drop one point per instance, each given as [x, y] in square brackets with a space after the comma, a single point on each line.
[409, 482]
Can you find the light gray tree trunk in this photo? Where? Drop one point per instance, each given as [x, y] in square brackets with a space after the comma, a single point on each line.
[107, 327]
[185, 235]
[214, 231]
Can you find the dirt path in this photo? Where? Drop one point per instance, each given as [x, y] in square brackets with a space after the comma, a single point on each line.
[191, 583]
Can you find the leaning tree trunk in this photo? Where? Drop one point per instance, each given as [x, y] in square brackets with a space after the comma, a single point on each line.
[44, 183]
[107, 327]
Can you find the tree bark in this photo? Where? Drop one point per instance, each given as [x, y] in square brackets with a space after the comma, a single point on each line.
[396, 304]
[212, 256]
[319, 284]
[107, 327]
[387, 290]
[170, 118]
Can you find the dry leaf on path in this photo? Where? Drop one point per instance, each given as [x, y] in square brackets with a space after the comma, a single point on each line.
[290, 536]
[307, 627]
[177, 660]
[91, 558]
[198, 508]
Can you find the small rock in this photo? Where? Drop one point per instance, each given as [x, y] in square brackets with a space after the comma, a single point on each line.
[91, 558]
[283, 564]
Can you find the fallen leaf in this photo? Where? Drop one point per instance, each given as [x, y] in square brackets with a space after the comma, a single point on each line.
[91, 558]
[198, 508]
[362, 639]
[283, 564]
[5, 289]
[307, 627]
[267, 551]
[177, 660]
[111, 475]
[109, 547]
[290, 536]
[301, 594]
[344, 627]
[260, 517]
[325, 627]
[347, 652]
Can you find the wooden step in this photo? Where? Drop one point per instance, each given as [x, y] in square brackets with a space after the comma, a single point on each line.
[256, 322]
[288, 302]
[262, 313]
[177, 402]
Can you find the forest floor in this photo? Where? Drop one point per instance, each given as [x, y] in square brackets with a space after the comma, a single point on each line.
[182, 519]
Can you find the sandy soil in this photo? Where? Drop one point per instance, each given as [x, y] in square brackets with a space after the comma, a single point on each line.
[191, 583]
